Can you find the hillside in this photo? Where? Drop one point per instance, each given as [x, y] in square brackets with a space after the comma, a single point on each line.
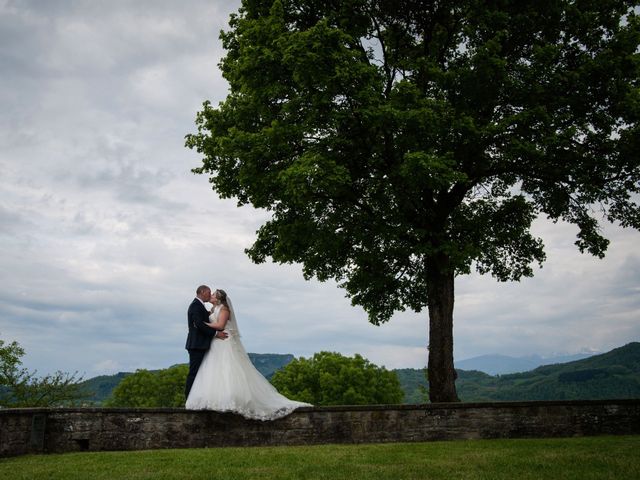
[615, 374]
[268, 363]
[414, 385]
[504, 364]
[100, 388]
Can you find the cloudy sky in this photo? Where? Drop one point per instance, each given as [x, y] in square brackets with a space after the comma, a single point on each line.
[105, 233]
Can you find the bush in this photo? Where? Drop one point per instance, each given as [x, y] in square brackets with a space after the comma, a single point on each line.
[332, 379]
[144, 388]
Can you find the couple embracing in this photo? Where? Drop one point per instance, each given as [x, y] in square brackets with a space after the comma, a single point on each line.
[221, 376]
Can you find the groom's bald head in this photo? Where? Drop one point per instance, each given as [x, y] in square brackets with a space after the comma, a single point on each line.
[203, 293]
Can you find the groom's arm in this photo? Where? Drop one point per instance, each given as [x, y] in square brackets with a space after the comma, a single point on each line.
[198, 317]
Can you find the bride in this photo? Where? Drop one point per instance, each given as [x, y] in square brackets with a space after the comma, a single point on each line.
[227, 381]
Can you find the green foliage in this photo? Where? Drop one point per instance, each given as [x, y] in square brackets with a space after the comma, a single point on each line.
[21, 388]
[10, 355]
[162, 388]
[332, 379]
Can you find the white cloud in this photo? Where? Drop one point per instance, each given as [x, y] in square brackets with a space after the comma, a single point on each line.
[105, 232]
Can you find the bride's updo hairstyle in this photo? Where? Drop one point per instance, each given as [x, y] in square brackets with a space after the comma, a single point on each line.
[221, 295]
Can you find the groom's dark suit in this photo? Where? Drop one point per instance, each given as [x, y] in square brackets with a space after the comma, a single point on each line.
[198, 340]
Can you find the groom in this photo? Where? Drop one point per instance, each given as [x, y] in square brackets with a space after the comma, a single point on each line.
[200, 335]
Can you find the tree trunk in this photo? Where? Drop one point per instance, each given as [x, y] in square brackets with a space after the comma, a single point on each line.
[442, 375]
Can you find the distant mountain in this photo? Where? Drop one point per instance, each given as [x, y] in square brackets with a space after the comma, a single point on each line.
[502, 364]
[100, 388]
[414, 385]
[615, 374]
[268, 363]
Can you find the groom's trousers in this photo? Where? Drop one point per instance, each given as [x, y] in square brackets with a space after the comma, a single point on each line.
[195, 359]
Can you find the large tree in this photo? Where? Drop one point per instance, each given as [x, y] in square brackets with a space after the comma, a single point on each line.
[399, 143]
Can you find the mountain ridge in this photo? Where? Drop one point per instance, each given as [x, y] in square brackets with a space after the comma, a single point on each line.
[496, 364]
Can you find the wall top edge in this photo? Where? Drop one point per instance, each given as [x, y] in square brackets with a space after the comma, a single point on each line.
[340, 408]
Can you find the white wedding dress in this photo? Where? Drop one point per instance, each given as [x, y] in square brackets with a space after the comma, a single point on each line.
[227, 381]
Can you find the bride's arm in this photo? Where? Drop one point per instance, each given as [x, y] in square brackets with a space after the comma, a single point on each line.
[223, 317]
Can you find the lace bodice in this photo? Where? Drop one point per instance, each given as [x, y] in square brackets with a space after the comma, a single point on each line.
[231, 327]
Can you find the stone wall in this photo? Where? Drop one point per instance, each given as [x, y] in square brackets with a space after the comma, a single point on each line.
[93, 429]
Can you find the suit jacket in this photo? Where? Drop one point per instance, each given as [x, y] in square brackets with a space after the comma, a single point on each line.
[200, 335]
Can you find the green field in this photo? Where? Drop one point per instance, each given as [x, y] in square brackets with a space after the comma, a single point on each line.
[574, 458]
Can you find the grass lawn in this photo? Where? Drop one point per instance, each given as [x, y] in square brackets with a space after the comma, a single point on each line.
[573, 458]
